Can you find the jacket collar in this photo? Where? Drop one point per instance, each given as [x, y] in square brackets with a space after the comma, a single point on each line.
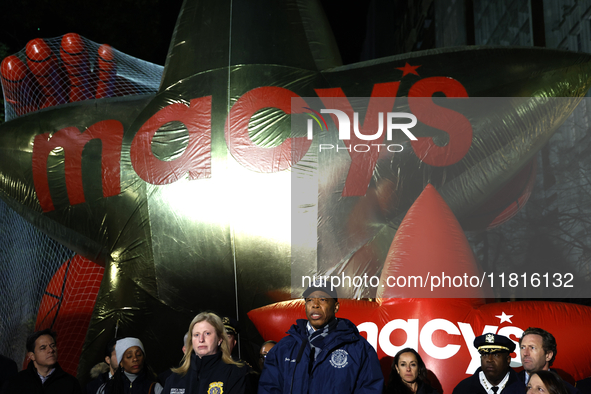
[57, 370]
[205, 362]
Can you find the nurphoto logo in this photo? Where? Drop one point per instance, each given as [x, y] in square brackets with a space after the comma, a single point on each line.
[344, 125]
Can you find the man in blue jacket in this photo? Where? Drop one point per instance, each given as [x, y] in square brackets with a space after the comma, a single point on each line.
[322, 354]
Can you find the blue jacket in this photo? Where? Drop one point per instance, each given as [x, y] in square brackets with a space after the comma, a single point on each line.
[346, 364]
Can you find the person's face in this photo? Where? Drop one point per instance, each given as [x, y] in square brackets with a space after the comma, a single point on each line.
[133, 360]
[408, 367]
[45, 353]
[495, 366]
[205, 339]
[533, 355]
[263, 353]
[320, 309]
[112, 361]
[231, 341]
[535, 385]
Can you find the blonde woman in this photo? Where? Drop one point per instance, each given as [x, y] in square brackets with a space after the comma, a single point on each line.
[207, 367]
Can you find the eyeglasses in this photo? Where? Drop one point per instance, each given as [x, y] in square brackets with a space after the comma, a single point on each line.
[263, 356]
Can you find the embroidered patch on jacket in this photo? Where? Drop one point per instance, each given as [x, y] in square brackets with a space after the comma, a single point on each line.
[177, 391]
[216, 388]
[338, 358]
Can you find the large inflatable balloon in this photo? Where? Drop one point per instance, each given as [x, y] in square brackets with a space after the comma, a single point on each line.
[201, 196]
[67, 306]
[443, 329]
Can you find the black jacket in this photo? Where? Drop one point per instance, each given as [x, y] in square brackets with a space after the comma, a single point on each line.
[424, 388]
[93, 386]
[8, 369]
[27, 381]
[472, 385]
[209, 375]
[584, 386]
[142, 383]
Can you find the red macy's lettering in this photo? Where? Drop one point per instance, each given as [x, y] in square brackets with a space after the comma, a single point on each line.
[110, 132]
[196, 159]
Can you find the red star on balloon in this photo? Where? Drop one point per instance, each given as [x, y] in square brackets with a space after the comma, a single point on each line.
[408, 69]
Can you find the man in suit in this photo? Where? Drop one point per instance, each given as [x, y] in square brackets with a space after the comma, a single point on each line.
[538, 351]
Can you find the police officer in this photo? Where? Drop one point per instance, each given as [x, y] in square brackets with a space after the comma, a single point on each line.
[494, 376]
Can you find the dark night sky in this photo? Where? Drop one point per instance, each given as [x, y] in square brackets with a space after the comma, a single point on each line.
[143, 28]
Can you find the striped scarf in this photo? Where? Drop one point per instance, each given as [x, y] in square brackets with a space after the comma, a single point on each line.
[316, 338]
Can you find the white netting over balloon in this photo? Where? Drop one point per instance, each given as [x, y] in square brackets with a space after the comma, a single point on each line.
[55, 71]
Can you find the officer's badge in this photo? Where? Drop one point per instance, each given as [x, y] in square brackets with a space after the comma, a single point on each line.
[216, 388]
[490, 338]
[339, 358]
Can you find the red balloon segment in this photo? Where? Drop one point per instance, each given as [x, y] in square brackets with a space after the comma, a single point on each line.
[43, 64]
[429, 240]
[16, 81]
[107, 71]
[75, 58]
[67, 307]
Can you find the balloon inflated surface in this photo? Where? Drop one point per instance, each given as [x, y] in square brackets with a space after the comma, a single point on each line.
[184, 194]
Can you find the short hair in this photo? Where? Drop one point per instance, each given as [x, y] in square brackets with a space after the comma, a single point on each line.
[552, 381]
[31, 339]
[110, 347]
[268, 342]
[548, 341]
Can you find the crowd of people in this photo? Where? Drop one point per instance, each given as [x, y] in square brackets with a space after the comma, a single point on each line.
[320, 354]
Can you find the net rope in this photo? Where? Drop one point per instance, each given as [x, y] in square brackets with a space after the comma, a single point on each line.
[55, 71]
[28, 260]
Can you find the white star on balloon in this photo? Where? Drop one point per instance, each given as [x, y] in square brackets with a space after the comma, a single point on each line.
[504, 318]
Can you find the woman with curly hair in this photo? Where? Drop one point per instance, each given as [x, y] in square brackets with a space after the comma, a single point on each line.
[408, 374]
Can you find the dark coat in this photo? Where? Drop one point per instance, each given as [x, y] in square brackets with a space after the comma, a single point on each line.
[140, 385]
[27, 381]
[93, 386]
[346, 364]
[424, 388]
[208, 375]
[584, 386]
[472, 385]
[8, 369]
